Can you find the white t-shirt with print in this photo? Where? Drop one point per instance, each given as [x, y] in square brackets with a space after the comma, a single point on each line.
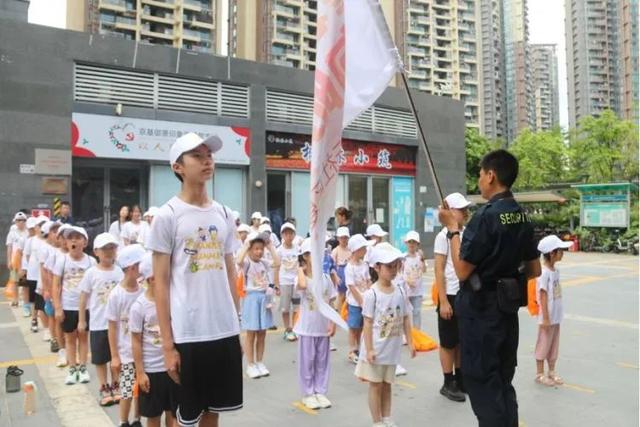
[14, 237]
[71, 272]
[442, 246]
[356, 275]
[311, 322]
[387, 312]
[31, 255]
[97, 284]
[133, 232]
[412, 274]
[143, 319]
[118, 309]
[549, 280]
[257, 276]
[198, 238]
[288, 264]
[47, 257]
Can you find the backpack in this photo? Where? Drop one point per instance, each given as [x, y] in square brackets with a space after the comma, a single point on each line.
[532, 301]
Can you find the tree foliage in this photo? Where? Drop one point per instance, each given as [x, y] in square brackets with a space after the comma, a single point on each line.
[542, 157]
[476, 147]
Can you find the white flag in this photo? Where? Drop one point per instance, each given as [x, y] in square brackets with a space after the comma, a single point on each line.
[355, 61]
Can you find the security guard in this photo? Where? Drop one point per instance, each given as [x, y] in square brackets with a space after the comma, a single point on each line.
[493, 261]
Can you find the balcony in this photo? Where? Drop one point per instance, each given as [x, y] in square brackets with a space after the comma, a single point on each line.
[165, 4]
[422, 20]
[166, 34]
[126, 23]
[115, 5]
[418, 74]
[416, 51]
[285, 11]
[284, 38]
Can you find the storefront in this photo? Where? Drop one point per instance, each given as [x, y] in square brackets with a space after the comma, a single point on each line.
[124, 161]
[377, 183]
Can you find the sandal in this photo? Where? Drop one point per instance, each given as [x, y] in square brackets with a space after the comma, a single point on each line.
[555, 378]
[106, 399]
[544, 380]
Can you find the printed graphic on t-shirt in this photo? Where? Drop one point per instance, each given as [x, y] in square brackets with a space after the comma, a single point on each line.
[153, 330]
[390, 323]
[124, 323]
[102, 293]
[412, 272]
[259, 278]
[72, 277]
[557, 290]
[204, 250]
[311, 301]
[361, 283]
[290, 263]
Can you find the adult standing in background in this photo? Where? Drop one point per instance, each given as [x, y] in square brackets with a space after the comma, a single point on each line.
[116, 226]
[65, 213]
[132, 230]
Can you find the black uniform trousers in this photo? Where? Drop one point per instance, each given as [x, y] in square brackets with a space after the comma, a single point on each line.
[489, 346]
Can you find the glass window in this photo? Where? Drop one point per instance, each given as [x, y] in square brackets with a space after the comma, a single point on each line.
[164, 185]
[228, 189]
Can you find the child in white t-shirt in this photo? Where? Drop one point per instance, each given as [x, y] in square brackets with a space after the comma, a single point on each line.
[341, 256]
[358, 280]
[96, 286]
[119, 304]
[387, 315]
[158, 393]
[549, 297]
[256, 317]
[67, 275]
[289, 300]
[49, 251]
[133, 231]
[413, 270]
[314, 331]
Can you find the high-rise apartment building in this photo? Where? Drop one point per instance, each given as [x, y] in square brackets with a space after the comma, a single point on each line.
[629, 59]
[189, 24]
[544, 63]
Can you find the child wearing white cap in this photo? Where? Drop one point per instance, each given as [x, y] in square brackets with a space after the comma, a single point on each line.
[289, 301]
[30, 270]
[413, 271]
[549, 297]
[387, 316]
[17, 233]
[52, 249]
[341, 256]
[67, 275]
[358, 280]
[121, 298]
[256, 221]
[158, 393]
[134, 231]
[96, 286]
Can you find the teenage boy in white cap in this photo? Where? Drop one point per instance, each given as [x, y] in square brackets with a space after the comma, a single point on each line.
[193, 242]
[549, 297]
[386, 317]
[121, 298]
[448, 287]
[67, 275]
[289, 302]
[96, 286]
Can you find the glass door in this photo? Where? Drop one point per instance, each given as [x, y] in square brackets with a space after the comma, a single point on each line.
[358, 202]
[124, 190]
[278, 195]
[88, 195]
[379, 213]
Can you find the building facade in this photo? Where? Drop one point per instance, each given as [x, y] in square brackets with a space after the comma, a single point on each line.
[544, 62]
[629, 59]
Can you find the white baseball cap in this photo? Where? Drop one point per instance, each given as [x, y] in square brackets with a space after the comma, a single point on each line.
[384, 253]
[412, 235]
[104, 239]
[358, 241]
[46, 228]
[551, 243]
[254, 236]
[288, 226]
[305, 246]
[244, 228]
[376, 230]
[265, 220]
[457, 201]
[235, 215]
[19, 216]
[190, 141]
[41, 219]
[343, 232]
[131, 255]
[264, 228]
[146, 266]
[256, 215]
[64, 227]
[32, 222]
[73, 229]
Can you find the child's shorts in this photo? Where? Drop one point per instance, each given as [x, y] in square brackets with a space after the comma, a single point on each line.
[162, 396]
[99, 343]
[548, 343]
[354, 317]
[31, 285]
[70, 322]
[255, 316]
[342, 287]
[39, 302]
[288, 298]
[127, 380]
[375, 373]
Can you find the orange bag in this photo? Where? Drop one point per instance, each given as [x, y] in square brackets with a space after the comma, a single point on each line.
[16, 261]
[344, 311]
[422, 341]
[10, 290]
[295, 318]
[434, 293]
[240, 285]
[532, 304]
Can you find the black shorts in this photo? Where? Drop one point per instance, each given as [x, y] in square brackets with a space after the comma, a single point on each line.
[32, 284]
[210, 378]
[448, 329]
[39, 302]
[70, 322]
[162, 396]
[99, 344]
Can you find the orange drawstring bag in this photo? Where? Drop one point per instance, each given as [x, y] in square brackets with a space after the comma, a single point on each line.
[344, 311]
[532, 303]
[240, 285]
[434, 293]
[422, 341]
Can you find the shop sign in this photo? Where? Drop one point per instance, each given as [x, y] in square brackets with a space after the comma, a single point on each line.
[53, 162]
[101, 136]
[293, 151]
[38, 212]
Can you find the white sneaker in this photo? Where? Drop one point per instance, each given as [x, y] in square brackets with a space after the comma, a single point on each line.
[388, 422]
[83, 374]
[253, 372]
[400, 371]
[323, 401]
[311, 402]
[332, 346]
[46, 336]
[72, 377]
[62, 358]
[264, 372]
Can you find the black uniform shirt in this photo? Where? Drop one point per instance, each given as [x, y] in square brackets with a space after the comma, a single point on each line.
[498, 238]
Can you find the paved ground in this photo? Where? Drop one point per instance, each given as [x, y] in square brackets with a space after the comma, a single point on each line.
[598, 359]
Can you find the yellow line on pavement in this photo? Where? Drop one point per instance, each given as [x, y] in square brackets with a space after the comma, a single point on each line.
[522, 424]
[579, 388]
[304, 409]
[406, 384]
[35, 361]
[627, 365]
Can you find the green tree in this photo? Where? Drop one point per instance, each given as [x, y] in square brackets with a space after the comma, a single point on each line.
[476, 146]
[604, 149]
[542, 156]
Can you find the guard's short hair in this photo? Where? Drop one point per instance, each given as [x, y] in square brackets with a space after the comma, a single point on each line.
[503, 164]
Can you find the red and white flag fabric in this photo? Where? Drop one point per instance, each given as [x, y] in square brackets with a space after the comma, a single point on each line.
[356, 59]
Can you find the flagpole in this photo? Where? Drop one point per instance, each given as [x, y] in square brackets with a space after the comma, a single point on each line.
[422, 138]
